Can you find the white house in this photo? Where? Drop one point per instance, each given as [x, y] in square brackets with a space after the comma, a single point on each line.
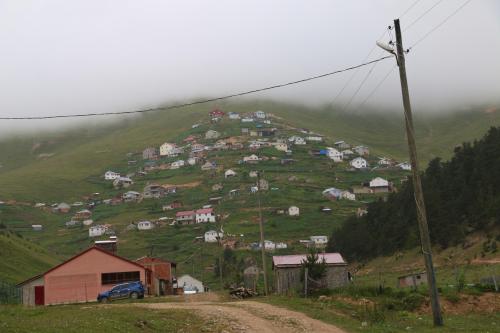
[177, 164]
[298, 140]
[348, 195]
[145, 225]
[281, 146]
[212, 236]
[122, 182]
[260, 114]
[37, 227]
[168, 149]
[359, 163]
[334, 154]
[234, 115]
[281, 245]
[253, 174]
[192, 160]
[319, 241]
[293, 211]
[205, 215]
[269, 245]
[229, 173]
[384, 161]
[97, 230]
[247, 120]
[88, 222]
[378, 182]
[110, 175]
[251, 159]
[314, 138]
[404, 166]
[361, 150]
[190, 284]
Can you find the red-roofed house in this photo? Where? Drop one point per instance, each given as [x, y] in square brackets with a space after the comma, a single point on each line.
[216, 113]
[288, 272]
[185, 217]
[205, 215]
[81, 278]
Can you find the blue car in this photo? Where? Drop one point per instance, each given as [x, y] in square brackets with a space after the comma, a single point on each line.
[132, 290]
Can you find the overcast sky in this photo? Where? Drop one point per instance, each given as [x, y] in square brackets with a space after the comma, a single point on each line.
[63, 57]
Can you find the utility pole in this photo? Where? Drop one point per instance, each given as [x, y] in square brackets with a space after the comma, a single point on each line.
[417, 185]
[261, 226]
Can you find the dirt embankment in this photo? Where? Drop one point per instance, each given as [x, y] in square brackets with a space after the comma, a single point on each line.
[485, 303]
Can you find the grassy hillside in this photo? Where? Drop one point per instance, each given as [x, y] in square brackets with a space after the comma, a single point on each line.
[22, 259]
[74, 162]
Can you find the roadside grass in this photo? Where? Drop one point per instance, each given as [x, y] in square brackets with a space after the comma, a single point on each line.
[366, 318]
[98, 318]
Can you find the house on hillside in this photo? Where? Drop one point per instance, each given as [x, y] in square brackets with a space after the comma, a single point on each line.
[122, 182]
[319, 241]
[154, 191]
[293, 211]
[62, 208]
[190, 284]
[173, 205]
[297, 140]
[36, 227]
[110, 175]
[145, 225]
[209, 166]
[229, 173]
[385, 162]
[348, 195]
[404, 166]
[193, 160]
[131, 196]
[169, 149]
[80, 278]
[150, 153]
[185, 217]
[347, 154]
[211, 134]
[378, 185]
[162, 275]
[97, 230]
[247, 120]
[332, 193]
[82, 215]
[263, 184]
[253, 174]
[234, 116]
[334, 154]
[205, 215]
[177, 164]
[342, 145]
[251, 159]
[260, 114]
[266, 132]
[361, 150]
[359, 163]
[288, 272]
[281, 146]
[217, 187]
[213, 236]
[73, 223]
[216, 113]
[314, 138]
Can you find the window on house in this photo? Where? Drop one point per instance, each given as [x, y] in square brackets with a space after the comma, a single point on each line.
[119, 277]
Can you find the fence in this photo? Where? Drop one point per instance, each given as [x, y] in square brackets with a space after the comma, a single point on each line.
[9, 294]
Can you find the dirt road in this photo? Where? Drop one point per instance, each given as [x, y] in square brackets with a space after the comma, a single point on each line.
[250, 316]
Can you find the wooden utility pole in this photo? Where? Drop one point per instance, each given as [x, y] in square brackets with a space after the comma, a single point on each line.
[417, 185]
[261, 226]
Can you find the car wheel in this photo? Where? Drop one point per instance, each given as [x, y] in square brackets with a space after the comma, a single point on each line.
[134, 295]
[103, 300]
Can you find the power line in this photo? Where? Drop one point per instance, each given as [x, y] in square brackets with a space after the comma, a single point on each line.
[421, 16]
[379, 84]
[441, 23]
[388, 30]
[202, 101]
[361, 84]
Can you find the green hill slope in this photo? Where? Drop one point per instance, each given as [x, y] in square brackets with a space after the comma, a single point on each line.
[21, 258]
[28, 173]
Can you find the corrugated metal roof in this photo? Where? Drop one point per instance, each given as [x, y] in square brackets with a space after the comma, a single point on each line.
[297, 259]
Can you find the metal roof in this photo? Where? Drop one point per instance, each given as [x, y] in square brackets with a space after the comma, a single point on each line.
[297, 259]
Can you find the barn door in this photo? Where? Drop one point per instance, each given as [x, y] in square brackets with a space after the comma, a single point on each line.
[39, 295]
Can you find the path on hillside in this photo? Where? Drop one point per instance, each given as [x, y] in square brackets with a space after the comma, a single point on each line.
[251, 316]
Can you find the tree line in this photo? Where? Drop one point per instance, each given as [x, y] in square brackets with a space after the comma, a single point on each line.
[462, 195]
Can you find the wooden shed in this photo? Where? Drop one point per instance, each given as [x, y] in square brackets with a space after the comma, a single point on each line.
[288, 272]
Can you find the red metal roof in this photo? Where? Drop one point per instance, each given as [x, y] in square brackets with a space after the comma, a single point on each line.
[297, 259]
[184, 213]
[205, 211]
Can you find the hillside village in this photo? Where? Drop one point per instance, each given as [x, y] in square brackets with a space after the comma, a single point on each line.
[204, 186]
